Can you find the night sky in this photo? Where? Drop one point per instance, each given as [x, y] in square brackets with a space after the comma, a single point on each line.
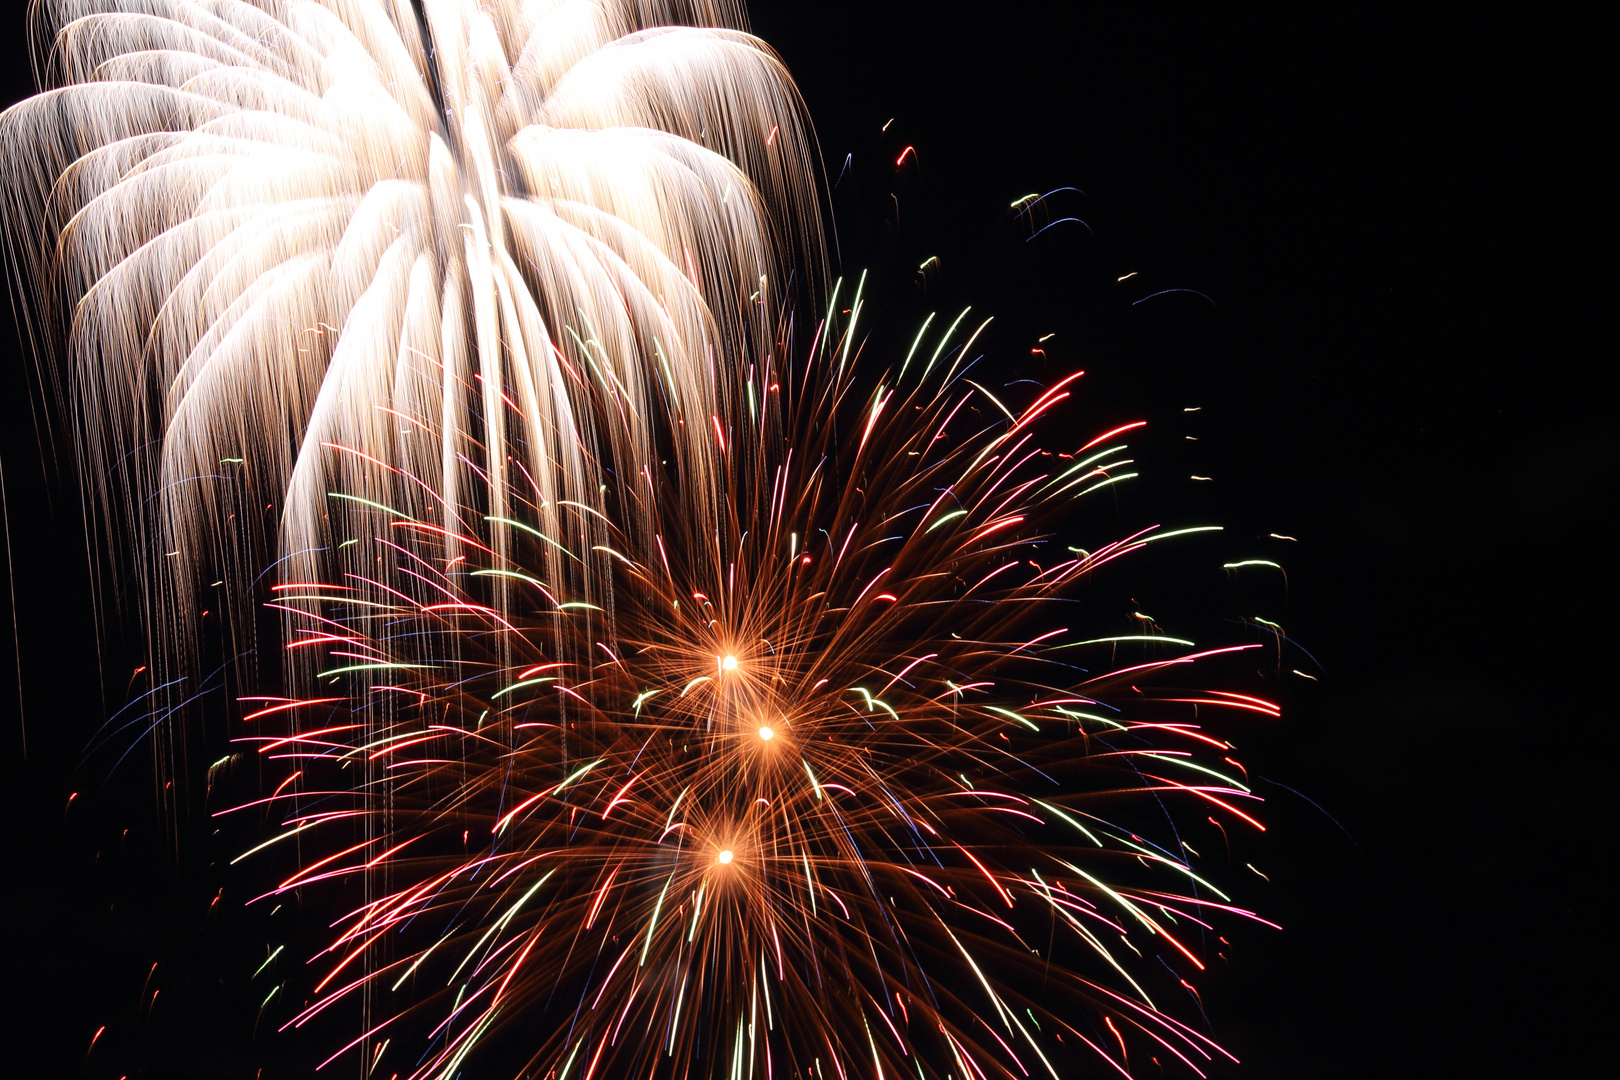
[1390, 237]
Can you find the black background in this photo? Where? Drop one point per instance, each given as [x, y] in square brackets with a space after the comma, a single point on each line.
[1403, 221]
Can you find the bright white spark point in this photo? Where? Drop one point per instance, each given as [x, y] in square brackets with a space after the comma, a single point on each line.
[725, 857]
[729, 663]
[766, 733]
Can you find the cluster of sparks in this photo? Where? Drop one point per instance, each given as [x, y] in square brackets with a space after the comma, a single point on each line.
[830, 791]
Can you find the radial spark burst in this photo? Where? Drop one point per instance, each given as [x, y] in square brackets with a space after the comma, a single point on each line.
[833, 789]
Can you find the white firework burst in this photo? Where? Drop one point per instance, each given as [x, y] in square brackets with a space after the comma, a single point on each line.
[282, 237]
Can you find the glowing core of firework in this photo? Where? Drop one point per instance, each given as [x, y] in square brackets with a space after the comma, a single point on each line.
[766, 733]
[725, 858]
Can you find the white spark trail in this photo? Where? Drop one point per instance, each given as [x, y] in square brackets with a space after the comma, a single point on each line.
[281, 237]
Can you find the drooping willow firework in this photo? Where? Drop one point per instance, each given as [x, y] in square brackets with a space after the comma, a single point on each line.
[658, 701]
[268, 227]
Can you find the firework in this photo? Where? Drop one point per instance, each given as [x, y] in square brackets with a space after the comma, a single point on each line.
[265, 228]
[659, 696]
[831, 790]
